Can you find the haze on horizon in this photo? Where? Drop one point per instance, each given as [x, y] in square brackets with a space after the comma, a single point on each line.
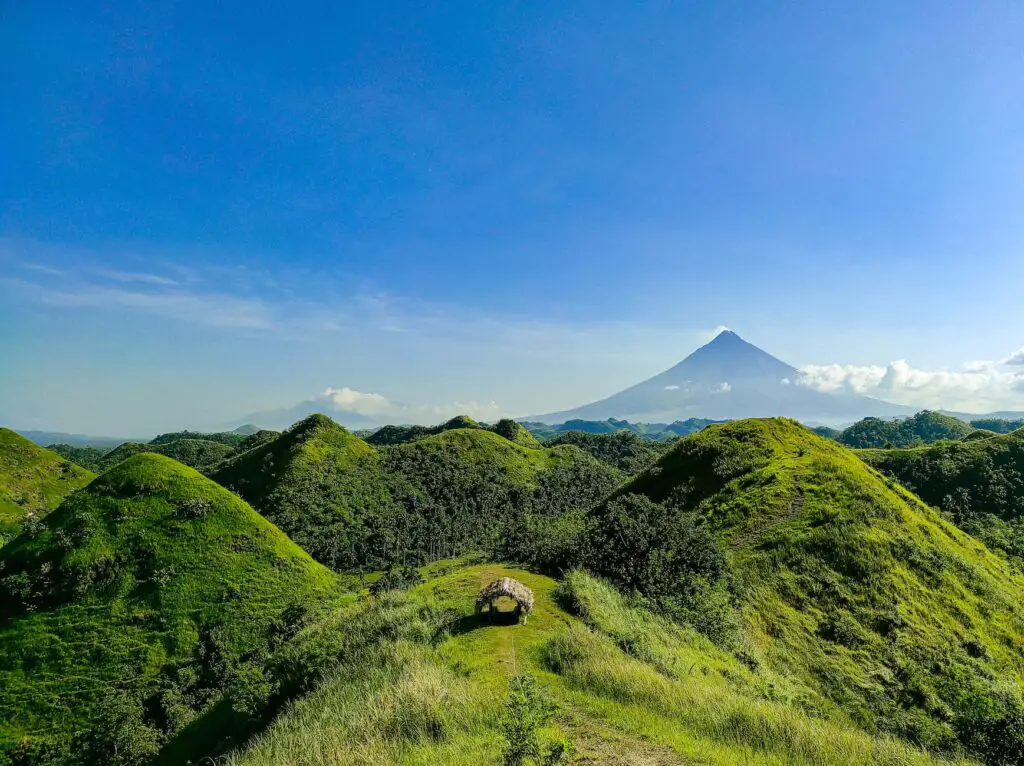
[206, 212]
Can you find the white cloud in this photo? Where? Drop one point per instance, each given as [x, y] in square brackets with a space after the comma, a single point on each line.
[671, 388]
[722, 388]
[1017, 357]
[976, 389]
[379, 408]
[349, 400]
[785, 382]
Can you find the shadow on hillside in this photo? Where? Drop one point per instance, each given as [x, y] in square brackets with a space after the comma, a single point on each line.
[470, 622]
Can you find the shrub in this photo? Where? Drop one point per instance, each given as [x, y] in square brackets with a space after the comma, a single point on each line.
[527, 710]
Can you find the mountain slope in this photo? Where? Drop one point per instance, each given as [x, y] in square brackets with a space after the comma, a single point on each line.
[979, 482]
[126, 614]
[33, 481]
[842, 579]
[726, 379]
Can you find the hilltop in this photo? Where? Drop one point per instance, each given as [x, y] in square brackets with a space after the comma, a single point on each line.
[33, 481]
[925, 427]
[355, 506]
[127, 615]
[509, 429]
[979, 482]
[838, 578]
[202, 451]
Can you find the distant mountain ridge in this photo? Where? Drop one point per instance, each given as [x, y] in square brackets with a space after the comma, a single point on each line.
[728, 379]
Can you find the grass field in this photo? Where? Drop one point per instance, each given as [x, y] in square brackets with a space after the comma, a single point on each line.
[630, 687]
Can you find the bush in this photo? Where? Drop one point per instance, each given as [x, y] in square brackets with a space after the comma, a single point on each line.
[528, 710]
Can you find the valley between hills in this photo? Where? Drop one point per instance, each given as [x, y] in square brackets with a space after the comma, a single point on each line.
[752, 591]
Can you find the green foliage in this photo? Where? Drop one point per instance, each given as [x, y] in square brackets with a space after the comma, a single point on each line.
[528, 709]
[997, 425]
[843, 580]
[90, 458]
[230, 438]
[135, 607]
[397, 579]
[355, 507]
[923, 428]
[979, 483]
[33, 481]
[665, 554]
[200, 454]
[649, 431]
[623, 450]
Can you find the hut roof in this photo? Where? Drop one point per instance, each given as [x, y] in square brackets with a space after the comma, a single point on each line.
[506, 586]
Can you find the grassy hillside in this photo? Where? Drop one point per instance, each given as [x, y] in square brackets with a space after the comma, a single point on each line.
[923, 428]
[196, 453]
[424, 681]
[353, 506]
[138, 602]
[839, 578]
[33, 481]
[509, 429]
[979, 482]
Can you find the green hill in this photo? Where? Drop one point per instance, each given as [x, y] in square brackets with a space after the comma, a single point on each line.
[136, 605]
[624, 450]
[998, 425]
[353, 506]
[421, 680]
[979, 482]
[837, 577]
[923, 428]
[509, 429]
[90, 458]
[33, 481]
[196, 453]
[653, 431]
[231, 438]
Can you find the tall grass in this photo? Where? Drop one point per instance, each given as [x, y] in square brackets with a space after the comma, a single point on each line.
[630, 686]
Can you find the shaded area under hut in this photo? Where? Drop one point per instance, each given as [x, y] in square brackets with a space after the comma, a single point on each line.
[508, 588]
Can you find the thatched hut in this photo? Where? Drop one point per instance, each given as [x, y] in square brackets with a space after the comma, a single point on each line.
[509, 588]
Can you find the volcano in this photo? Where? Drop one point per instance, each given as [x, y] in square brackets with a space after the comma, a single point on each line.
[728, 379]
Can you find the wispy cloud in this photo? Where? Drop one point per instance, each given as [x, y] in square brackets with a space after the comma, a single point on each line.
[137, 276]
[211, 309]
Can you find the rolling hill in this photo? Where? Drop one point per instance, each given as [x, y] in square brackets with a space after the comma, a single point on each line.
[129, 615]
[727, 379]
[925, 427]
[352, 505]
[33, 481]
[840, 578]
[979, 482]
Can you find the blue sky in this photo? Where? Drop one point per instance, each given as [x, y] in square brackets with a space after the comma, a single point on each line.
[501, 208]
